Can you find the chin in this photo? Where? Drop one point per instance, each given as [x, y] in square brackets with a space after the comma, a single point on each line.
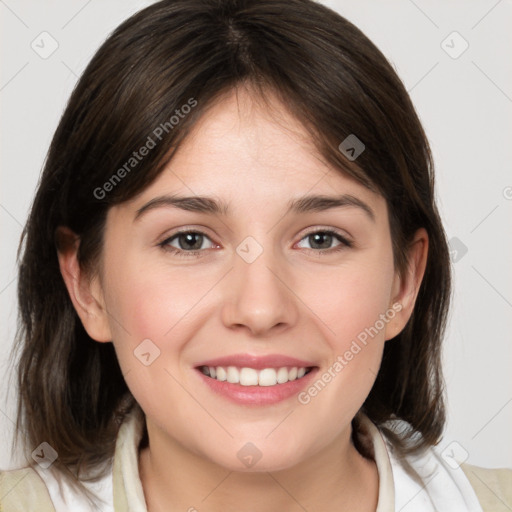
[255, 457]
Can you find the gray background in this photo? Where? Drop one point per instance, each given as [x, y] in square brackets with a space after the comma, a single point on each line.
[464, 102]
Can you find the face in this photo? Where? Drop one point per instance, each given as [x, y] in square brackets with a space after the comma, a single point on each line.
[300, 298]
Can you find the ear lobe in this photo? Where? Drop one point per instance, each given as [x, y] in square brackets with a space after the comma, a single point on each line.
[85, 293]
[406, 288]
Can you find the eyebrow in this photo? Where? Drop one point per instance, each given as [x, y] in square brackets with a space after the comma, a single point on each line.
[209, 205]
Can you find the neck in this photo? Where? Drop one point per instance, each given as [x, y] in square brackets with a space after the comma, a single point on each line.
[335, 478]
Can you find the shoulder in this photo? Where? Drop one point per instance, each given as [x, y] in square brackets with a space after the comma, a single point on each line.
[432, 476]
[492, 486]
[23, 490]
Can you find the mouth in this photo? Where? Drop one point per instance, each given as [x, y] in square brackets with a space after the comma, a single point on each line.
[256, 379]
[247, 376]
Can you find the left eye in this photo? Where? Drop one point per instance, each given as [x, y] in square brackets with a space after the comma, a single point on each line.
[325, 238]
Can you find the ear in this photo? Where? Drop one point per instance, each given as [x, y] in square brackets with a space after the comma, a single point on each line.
[405, 289]
[85, 293]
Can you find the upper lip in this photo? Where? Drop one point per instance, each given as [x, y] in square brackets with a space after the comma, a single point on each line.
[257, 362]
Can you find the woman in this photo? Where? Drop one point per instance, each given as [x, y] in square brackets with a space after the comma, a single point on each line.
[235, 280]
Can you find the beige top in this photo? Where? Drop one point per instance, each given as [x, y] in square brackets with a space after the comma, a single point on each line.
[450, 489]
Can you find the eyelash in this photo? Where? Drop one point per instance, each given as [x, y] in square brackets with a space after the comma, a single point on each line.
[188, 254]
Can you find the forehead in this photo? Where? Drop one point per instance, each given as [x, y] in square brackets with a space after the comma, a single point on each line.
[252, 153]
[259, 123]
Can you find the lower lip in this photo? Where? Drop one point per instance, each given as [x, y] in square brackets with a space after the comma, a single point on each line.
[257, 395]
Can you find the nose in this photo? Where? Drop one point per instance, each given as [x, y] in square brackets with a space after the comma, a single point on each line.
[258, 296]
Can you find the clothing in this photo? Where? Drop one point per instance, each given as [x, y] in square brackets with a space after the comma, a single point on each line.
[430, 484]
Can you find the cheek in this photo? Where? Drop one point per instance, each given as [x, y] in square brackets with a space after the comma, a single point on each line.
[150, 304]
[350, 299]
[150, 301]
[153, 302]
[353, 301]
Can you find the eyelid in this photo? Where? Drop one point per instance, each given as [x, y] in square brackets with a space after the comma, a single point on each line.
[183, 230]
[311, 230]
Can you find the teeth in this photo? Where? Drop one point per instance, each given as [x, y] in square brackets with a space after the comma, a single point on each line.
[282, 375]
[268, 377]
[252, 377]
[248, 377]
[233, 375]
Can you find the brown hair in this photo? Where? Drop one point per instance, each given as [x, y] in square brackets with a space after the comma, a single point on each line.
[333, 79]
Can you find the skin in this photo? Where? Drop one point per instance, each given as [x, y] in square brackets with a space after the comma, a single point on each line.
[290, 300]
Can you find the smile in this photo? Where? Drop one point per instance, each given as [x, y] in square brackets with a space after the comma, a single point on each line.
[253, 377]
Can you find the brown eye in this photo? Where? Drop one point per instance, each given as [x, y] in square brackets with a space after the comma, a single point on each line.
[185, 243]
[322, 240]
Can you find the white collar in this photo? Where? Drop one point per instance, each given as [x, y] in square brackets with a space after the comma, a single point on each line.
[423, 483]
[420, 483]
